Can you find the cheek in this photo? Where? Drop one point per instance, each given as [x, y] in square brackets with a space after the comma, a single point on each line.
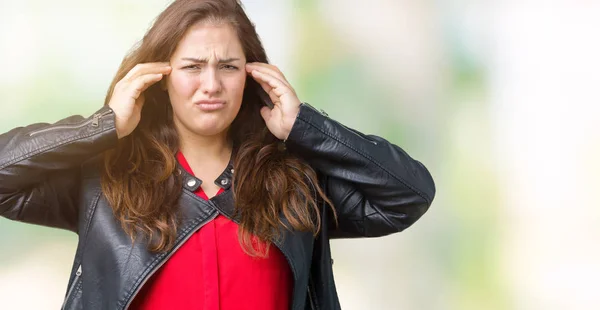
[182, 85]
[236, 85]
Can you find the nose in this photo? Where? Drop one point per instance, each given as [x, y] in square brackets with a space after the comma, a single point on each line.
[210, 83]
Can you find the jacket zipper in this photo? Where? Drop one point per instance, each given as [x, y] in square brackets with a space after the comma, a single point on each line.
[95, 121]
[73, 285]
[166, 258]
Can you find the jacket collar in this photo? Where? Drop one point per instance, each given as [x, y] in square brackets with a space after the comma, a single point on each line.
[192, 183]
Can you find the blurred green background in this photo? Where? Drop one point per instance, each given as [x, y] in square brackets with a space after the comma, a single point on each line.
[499, 99]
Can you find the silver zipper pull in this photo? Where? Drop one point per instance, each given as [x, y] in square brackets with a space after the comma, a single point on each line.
[70, 291]
[96, 120]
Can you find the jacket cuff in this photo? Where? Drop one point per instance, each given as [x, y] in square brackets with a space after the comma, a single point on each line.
[306, 116]
[105, 118]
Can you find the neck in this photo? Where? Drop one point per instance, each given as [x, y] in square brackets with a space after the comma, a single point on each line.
[205, 149]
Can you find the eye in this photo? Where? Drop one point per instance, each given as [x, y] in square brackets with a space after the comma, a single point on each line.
[229, 67]
[193, 67]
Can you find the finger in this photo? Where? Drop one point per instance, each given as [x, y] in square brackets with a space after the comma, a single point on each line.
[140, 84]
[277, 87]
[141, 99]
[274, 98]
[148, 68]
[266, 66]
[265, 112]
[269, 90]
[262, 84]
[269, 69]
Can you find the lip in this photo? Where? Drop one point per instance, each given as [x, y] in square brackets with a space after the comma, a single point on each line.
[210, 105]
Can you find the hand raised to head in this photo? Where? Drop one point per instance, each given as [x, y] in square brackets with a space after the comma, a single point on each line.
[127, 98]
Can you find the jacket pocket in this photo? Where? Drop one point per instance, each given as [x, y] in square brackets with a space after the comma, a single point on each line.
[73, 298]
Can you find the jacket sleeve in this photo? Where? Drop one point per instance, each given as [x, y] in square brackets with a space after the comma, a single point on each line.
[376, 188]
[40, 167]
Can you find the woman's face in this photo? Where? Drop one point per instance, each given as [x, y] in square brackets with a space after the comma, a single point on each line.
[207, 82]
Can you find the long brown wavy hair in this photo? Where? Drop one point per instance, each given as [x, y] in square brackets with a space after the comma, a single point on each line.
[139, 179]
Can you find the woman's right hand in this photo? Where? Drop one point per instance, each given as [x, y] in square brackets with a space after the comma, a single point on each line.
[127, 98]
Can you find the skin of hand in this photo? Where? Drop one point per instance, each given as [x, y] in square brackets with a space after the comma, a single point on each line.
[281, 118]
[127, 98]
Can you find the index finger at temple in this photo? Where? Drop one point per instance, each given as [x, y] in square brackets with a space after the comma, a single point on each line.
[274, 71]
[148, 68]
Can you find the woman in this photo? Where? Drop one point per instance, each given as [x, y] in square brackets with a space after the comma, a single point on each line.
[196, 101]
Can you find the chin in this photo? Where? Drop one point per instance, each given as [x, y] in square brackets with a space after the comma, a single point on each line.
[209, 129]
[206, 125]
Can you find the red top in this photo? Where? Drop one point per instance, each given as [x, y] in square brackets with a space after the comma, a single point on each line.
[212, 272]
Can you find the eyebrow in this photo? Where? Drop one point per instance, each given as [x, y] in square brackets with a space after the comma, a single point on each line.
[205, 60]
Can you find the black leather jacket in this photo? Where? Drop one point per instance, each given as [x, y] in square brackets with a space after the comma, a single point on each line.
[49, 175]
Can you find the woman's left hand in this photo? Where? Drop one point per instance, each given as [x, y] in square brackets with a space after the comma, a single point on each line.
[281, 118]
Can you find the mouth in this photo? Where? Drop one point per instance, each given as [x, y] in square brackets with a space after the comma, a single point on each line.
[210, 105]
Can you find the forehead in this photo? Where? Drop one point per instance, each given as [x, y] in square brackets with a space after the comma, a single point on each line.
[209, 39]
